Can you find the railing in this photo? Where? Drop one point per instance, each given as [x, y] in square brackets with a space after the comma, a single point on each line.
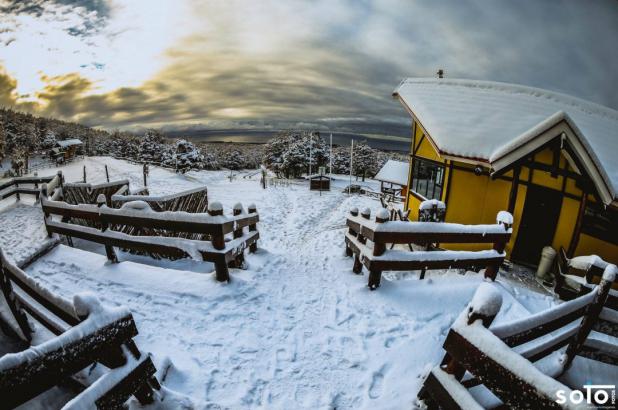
[108, 226]
[86, 333]
[84, 193]
[14, 186]
[487, 352]
[375, 256]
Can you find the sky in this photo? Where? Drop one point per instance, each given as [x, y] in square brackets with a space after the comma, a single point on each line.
[325, 64]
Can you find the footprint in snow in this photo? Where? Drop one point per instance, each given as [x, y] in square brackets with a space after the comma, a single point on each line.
[375, 389]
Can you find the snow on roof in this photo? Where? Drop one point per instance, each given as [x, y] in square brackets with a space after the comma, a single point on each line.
[395, 172]
[70, 142]
[485, 120]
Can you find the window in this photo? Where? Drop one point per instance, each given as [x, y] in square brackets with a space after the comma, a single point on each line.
[600, 223]
[427, 178]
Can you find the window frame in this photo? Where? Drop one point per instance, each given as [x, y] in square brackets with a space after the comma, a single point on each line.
[437, 183]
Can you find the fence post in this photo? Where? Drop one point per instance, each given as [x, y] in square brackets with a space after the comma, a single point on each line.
[252, 228]
[592, 314]
[240, 258]
[485, 305]
[12, 301]
[109, 250]
[218, 242]
[348, 250]
[358, 266]
[491, 271]
[17, 196]
[84, 174]
[106, 173]
[378, 249]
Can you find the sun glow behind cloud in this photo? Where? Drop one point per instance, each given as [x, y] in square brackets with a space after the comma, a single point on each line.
[276, 64]
[122, 49]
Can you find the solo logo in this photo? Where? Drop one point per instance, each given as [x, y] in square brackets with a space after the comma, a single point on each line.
[594, 394]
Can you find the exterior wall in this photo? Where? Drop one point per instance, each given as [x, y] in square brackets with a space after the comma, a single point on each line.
[476, 199]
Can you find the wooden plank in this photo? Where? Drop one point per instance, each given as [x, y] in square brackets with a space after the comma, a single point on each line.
[426, 237]
[136, 380]
[31, 378]
[512, 390]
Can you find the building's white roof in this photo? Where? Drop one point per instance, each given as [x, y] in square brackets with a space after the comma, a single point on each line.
[68, 143]
[395, 172]
[484, 121]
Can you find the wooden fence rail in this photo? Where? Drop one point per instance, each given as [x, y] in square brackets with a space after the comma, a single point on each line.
[192, 201]
[86, 333]
[377, 258]
[108, 226]
[482, 358]
[15, 186]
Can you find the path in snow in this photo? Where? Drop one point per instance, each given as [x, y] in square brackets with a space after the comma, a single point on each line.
[298, 328]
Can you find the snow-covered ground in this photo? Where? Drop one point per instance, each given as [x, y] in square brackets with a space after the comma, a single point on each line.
[297, 329]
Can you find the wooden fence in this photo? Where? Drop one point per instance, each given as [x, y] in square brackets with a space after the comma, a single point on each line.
[15, 186]
[108, 226]
[84, 193]
[192, 201]
[86, 333]
[482, 369]
[380, 232]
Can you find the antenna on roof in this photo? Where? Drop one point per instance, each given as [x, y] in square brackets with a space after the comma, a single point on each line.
[440, 73]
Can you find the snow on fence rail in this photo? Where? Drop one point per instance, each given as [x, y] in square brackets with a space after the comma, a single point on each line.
[380, 232]
[516, 364]
[86, 333]
[108, 226]
[15, 186]
[193, 201]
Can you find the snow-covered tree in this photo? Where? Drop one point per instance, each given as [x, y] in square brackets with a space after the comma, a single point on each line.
[151, 147]
[187, 156]
[233, 160]
[49, 140]
[365, 161]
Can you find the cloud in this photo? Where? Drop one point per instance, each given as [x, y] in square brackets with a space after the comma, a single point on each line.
[272, 64]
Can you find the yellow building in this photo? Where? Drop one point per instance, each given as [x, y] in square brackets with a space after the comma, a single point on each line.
[548, 158]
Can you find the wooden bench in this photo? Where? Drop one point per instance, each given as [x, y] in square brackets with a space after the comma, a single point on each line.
[212, 237]
[380, 232]
[85, 334]
[517, 364]
[573, 279]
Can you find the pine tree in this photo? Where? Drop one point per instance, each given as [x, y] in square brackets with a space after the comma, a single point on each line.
[187, 156]
[151, 147]
[365, 161]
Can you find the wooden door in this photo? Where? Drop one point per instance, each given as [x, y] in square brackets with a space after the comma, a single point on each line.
[538, 224]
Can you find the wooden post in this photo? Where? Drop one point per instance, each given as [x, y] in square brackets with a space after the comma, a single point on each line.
[358, 266]
[592, 314]
[239, 260]
[348, 250]
[218, 242]
[491, 271]
[252, 228]
[12, 301]
[378, 249]
[479, 308]
[106, 173]
[84, 174]
[109, 250]
[145, 171]
[17, 196]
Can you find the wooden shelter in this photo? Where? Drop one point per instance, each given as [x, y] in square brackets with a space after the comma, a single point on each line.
[66, 150]
[319, 183]
[393, 177]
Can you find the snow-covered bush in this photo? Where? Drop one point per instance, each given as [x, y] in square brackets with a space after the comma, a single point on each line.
[294, 153]
[151, 147]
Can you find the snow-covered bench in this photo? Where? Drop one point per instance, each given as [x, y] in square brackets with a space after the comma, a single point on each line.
[524, 364]
[85, 333]
[577, 276]
[210, 237]
[15, 186]
[367, 240]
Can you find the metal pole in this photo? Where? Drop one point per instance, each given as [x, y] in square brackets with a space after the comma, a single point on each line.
[330, 157]
[310, 144]
[351, 159]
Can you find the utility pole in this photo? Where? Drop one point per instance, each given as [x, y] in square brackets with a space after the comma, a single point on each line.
[310, 146]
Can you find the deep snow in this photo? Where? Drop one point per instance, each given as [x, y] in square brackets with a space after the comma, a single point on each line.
[297, 329]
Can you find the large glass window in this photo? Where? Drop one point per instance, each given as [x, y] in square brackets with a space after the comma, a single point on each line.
[427, 178]
[600, 223]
